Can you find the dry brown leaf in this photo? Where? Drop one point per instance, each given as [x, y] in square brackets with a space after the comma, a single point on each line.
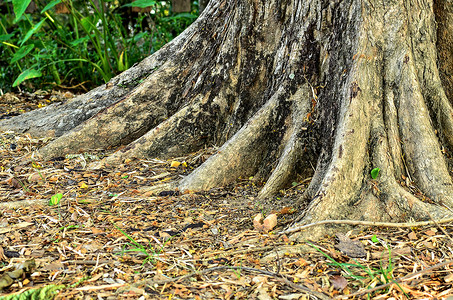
[36, 177]
[270, 222]
[287, 210]
[2, 255]
[13, 182]
[257, 222]
[265, 225]
[412, 235]
[338, 282]
[430, 232]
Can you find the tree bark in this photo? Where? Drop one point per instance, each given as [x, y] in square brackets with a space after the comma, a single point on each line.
[284, 87]
[202, 5]
[179, 6]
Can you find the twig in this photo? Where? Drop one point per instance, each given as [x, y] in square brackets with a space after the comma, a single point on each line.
[264, 272]
[250, 250]
[366, 223]
[440, 227]
[399, 280]
[22, 203]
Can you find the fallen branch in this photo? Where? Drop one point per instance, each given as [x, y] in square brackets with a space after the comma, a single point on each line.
[22, 203]
[366, 223]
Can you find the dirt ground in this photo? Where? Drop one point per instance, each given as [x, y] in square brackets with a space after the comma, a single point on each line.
[104, 234]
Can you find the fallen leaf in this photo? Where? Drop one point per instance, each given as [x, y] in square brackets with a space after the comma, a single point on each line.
[175, 164]
[13, 182]
[349, 247]
[15, 227]
[431, 232]
[270, 222]
[265, 225]
[287, 210]
[2, 255]
[257, 222]
[412, 235]
[35, 177]
[338, 282]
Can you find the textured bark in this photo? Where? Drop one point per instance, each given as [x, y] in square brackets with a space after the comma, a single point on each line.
[281, 86]
[202, 5]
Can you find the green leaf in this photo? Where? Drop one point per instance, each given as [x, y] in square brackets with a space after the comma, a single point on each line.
[375, 173]
[55, 199]
[87, 24]
[32, 31]
[6, 37]
[21, 53]
[19, 7]
[27, 74]
[122, 66]
[50, 5]
[139, 36]
[141, 3]
[374, 239]
[79, 41]
[180, 16]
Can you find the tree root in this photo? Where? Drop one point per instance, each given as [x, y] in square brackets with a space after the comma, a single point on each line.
[328, 85]
[367, 223]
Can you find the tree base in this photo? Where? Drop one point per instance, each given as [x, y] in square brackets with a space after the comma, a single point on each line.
[329, 92]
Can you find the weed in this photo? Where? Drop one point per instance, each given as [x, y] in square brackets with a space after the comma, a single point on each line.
[375, 173]
[149, 251]
[368, 277]
[87, 41]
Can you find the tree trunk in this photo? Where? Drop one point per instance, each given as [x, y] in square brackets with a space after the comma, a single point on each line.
[202, 5]
[179, 6]
[326, 89]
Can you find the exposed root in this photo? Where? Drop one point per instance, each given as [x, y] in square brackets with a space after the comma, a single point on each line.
[242, 154]
[422, 41]
[58, 119]
[121, 123]
[292, 154]
[243, 80]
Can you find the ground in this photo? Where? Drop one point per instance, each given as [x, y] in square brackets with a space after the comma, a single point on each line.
[110, 235]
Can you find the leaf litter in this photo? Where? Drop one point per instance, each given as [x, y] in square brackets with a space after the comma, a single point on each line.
[102, 234]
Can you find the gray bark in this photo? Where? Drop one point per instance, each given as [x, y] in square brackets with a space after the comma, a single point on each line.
[284, 85]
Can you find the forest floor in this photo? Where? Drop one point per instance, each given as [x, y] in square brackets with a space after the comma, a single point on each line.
[103, 234]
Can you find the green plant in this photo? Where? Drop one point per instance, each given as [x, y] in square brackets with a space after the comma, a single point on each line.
[47, 292]
[91, 42]
[149, 251]
[381, 275]
[55, 199]
[375, 173]
[69, 227]
[237, 271]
